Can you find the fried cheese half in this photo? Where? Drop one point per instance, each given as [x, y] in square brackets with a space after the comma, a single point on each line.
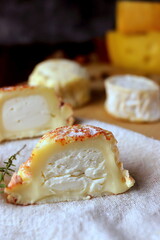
[31, 111]
[70, 163]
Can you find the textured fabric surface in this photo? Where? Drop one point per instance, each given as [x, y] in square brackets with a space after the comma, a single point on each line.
[132, 215]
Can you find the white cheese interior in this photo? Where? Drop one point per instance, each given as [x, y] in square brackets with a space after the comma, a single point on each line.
[22, 113]
[76, 171]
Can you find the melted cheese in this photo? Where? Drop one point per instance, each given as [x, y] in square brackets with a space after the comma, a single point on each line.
[71, 172]
[29, 112]
[132, 98]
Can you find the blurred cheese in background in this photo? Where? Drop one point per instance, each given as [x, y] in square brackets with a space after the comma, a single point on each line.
[69, 80]
[133, 98]
[135, 44]
[137, 16]
[138, 52]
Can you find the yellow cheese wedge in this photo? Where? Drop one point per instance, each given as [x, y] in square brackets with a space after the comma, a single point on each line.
[132, 98]
[31, 111]
[70, 163]
[140, 53]
[68, 78]
[137, 16]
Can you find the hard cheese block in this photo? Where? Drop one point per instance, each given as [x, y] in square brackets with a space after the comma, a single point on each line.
[137, 16]
[140, 53]
[31, 111]
[132, 98]
[67, 78]
[70, 163]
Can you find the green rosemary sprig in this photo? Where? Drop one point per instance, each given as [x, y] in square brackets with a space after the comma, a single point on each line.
[8, 168]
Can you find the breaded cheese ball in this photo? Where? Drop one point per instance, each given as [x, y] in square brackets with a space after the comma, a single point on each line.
[68, 78]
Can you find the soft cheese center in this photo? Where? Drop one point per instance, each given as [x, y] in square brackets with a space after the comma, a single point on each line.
[75, 171]
[22, 113]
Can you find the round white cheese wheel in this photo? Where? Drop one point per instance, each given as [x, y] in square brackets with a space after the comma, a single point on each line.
[68, 78]
[132, 98]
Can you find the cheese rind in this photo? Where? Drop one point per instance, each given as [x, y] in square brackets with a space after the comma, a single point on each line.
[67, 78]
[132, 98]
[31, 111]
[70, 163]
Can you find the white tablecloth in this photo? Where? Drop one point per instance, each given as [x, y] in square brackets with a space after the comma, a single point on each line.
[132, 215]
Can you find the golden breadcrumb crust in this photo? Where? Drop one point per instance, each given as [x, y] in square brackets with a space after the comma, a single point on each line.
[68, 134]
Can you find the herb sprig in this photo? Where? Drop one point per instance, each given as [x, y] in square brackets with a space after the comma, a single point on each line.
[8, 168]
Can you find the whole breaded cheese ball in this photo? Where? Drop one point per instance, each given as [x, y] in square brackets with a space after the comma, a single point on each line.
[69, 79]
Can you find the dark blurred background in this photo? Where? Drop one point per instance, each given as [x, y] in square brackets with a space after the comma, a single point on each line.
[31, 30]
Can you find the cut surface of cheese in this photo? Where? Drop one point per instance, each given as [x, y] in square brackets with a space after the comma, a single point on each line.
[70, 163]
[137, 16]
[31, 111]
[68, 78]
[139, 53]
[132, 98]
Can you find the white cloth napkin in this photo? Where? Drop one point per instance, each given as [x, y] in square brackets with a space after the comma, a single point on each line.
[132, 215]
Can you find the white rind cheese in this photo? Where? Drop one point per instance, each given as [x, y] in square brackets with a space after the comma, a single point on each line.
[70, 163]
[132, 98]
[68, 78]
[31, 111]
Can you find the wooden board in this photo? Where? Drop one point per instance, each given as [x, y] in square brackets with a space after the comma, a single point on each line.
[95, 110]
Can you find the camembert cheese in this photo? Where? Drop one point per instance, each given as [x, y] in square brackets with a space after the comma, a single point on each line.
[70, 163]
[31, 111]
[68, 78]
[132, 98]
